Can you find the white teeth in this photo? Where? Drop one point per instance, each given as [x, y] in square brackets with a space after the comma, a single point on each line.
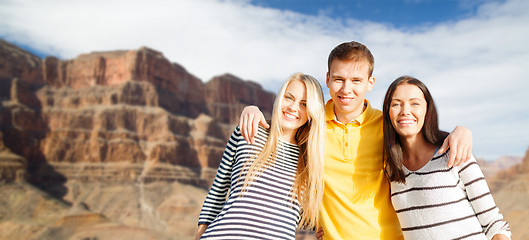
[290, 116]
[346, 99]
[406, 121]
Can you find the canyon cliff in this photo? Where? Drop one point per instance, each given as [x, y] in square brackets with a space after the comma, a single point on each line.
[510, 188]
[124, 145]
[120, 140]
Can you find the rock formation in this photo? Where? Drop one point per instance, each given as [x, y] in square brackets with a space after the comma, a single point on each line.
[117, 107]
[17, 63]
[124, 144]
[113, 141]
[491, 168]
[510, 189]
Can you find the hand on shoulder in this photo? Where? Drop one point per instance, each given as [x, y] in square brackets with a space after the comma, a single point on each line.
[460, 143]
[251, 118]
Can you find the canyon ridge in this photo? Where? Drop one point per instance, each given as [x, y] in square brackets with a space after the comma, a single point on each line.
[125, 144]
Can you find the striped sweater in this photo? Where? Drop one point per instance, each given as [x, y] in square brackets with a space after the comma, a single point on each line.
[266, 210]
[438, 202]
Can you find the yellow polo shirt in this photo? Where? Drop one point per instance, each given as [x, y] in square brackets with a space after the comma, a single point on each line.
[356, 201]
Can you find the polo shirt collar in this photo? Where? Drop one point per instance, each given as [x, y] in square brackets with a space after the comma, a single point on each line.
[331, 115]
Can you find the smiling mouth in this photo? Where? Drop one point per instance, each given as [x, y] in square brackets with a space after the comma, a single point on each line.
[345, 99]
[289, 116]
[406, 122]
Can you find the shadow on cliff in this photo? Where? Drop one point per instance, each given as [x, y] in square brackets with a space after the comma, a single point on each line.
[23, 129]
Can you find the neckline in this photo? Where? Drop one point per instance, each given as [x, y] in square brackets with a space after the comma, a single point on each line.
[424, 166]
[286, 142]
[267, 134]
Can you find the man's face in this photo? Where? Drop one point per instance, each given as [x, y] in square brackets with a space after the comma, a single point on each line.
[348, 83]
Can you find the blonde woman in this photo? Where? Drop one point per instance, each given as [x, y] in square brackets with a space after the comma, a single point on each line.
[267, 189]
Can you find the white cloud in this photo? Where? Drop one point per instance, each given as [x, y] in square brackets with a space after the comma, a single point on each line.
[475, 67]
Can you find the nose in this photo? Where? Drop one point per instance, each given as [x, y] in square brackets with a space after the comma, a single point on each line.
[405, 109]
[291, 107]
[347, 87]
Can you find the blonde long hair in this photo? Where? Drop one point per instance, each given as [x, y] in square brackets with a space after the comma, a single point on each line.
[308, 186]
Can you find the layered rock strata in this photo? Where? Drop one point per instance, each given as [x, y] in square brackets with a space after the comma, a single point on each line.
[115, 116]
[110, 142]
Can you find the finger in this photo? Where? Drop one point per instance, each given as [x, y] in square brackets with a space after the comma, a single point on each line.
[460, 158]
[264, 123]
[249, 127]
[451, 159]
[255, 128]
[245, 130]
[319, 234]
[443, 147]
[469, 154]
[465, 156]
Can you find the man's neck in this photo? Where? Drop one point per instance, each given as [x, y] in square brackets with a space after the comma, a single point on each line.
[345, 118]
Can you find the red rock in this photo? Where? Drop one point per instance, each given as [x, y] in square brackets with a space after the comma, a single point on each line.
[227, 95]
[120, 107]
[18, 63]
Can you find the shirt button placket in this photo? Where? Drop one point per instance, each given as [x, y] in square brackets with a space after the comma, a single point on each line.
[346, 139]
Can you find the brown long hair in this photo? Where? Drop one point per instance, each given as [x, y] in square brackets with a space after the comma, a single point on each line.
[393, 156]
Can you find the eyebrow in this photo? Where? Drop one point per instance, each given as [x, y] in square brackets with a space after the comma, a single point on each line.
[292, 95]
[398, 99]
[340, 76]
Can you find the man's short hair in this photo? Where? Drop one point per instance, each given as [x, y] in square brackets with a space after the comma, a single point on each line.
[353, 51]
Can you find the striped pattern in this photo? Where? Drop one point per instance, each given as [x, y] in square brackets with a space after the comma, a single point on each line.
[266, 210]
[438, 202]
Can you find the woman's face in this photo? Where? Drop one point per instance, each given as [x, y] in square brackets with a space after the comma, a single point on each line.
[407, 110]
[294, 107]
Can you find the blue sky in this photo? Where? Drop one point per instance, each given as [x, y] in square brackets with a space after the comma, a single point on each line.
[399, 13]
[472, 54]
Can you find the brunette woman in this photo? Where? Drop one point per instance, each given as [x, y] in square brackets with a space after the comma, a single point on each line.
[432, 201]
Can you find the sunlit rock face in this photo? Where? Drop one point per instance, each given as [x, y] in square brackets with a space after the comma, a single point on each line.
[120, 141]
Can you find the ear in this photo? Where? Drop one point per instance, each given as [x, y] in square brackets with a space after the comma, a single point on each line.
[327, 80]
[370, 83]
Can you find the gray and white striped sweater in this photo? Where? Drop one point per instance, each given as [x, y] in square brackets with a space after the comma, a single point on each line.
[438, 202]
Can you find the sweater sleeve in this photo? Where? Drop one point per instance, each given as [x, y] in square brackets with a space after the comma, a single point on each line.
[481, 200]
[216, 197]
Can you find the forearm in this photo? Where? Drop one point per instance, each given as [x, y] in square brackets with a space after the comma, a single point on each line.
[216, 197]
[482, 201]
[500, 237]
[201, 229]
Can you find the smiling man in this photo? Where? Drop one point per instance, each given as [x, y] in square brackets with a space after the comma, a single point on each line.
[356, 201]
